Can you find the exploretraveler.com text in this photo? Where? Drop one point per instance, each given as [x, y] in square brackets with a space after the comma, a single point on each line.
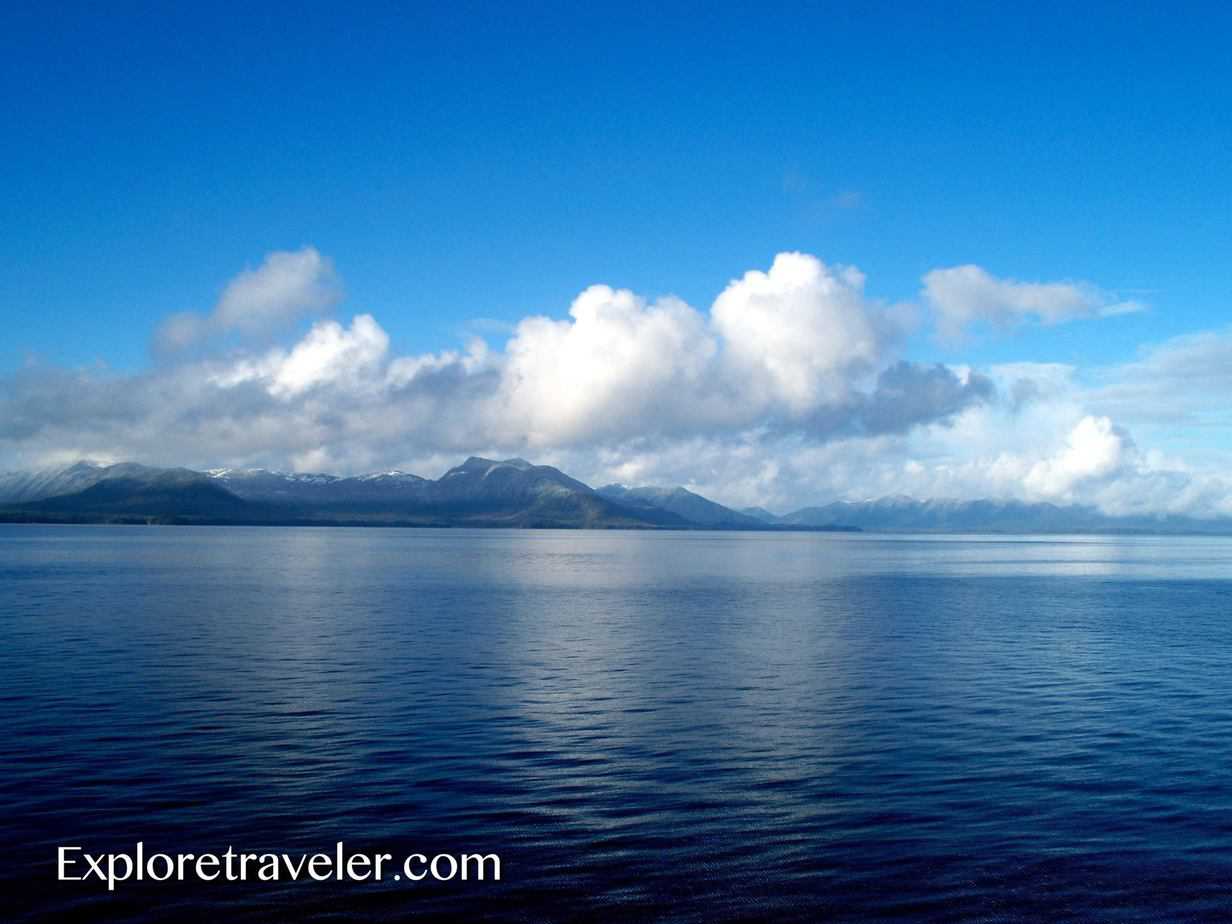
[74, 864]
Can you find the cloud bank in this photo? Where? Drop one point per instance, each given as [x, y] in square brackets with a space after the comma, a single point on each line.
[791, 388]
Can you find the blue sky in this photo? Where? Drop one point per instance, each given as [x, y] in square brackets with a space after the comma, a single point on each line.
[475, 161]
[462, 161]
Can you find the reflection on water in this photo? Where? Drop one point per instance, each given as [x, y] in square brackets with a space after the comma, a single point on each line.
[667, 726]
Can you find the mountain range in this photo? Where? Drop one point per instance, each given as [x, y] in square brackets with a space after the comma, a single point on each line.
[907, 514]
[508, 493]
[479, 492]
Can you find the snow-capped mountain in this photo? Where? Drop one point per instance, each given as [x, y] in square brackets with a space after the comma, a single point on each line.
[260, 484]
[20, 487]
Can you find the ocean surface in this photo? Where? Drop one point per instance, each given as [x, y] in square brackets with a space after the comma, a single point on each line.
[689, 727]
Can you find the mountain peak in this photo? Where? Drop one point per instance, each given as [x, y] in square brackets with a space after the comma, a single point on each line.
[682, 502]
[395, 473]
[478, 464]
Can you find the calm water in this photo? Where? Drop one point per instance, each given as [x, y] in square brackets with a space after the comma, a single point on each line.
[676, 726]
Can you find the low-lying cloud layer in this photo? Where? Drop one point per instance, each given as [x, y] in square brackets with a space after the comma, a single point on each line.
[792, 388]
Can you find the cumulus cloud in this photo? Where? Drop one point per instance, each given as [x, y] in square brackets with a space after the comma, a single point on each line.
[800, 333]
[964, 295]
[798, 349]
[331, 355]
[286, 286]
[616, 361]
[1094, 449]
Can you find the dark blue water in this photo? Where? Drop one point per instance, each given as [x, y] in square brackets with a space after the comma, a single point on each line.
[677, 726]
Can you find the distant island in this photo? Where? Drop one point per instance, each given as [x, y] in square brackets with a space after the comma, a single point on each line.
[508, 493]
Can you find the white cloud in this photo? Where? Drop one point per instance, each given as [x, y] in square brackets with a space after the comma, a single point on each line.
[1094, 449]
[801, 334]
[618, 362]
[1184, 380]
[795, 347]
[330, 354]
[286, 286]
[963, 295]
